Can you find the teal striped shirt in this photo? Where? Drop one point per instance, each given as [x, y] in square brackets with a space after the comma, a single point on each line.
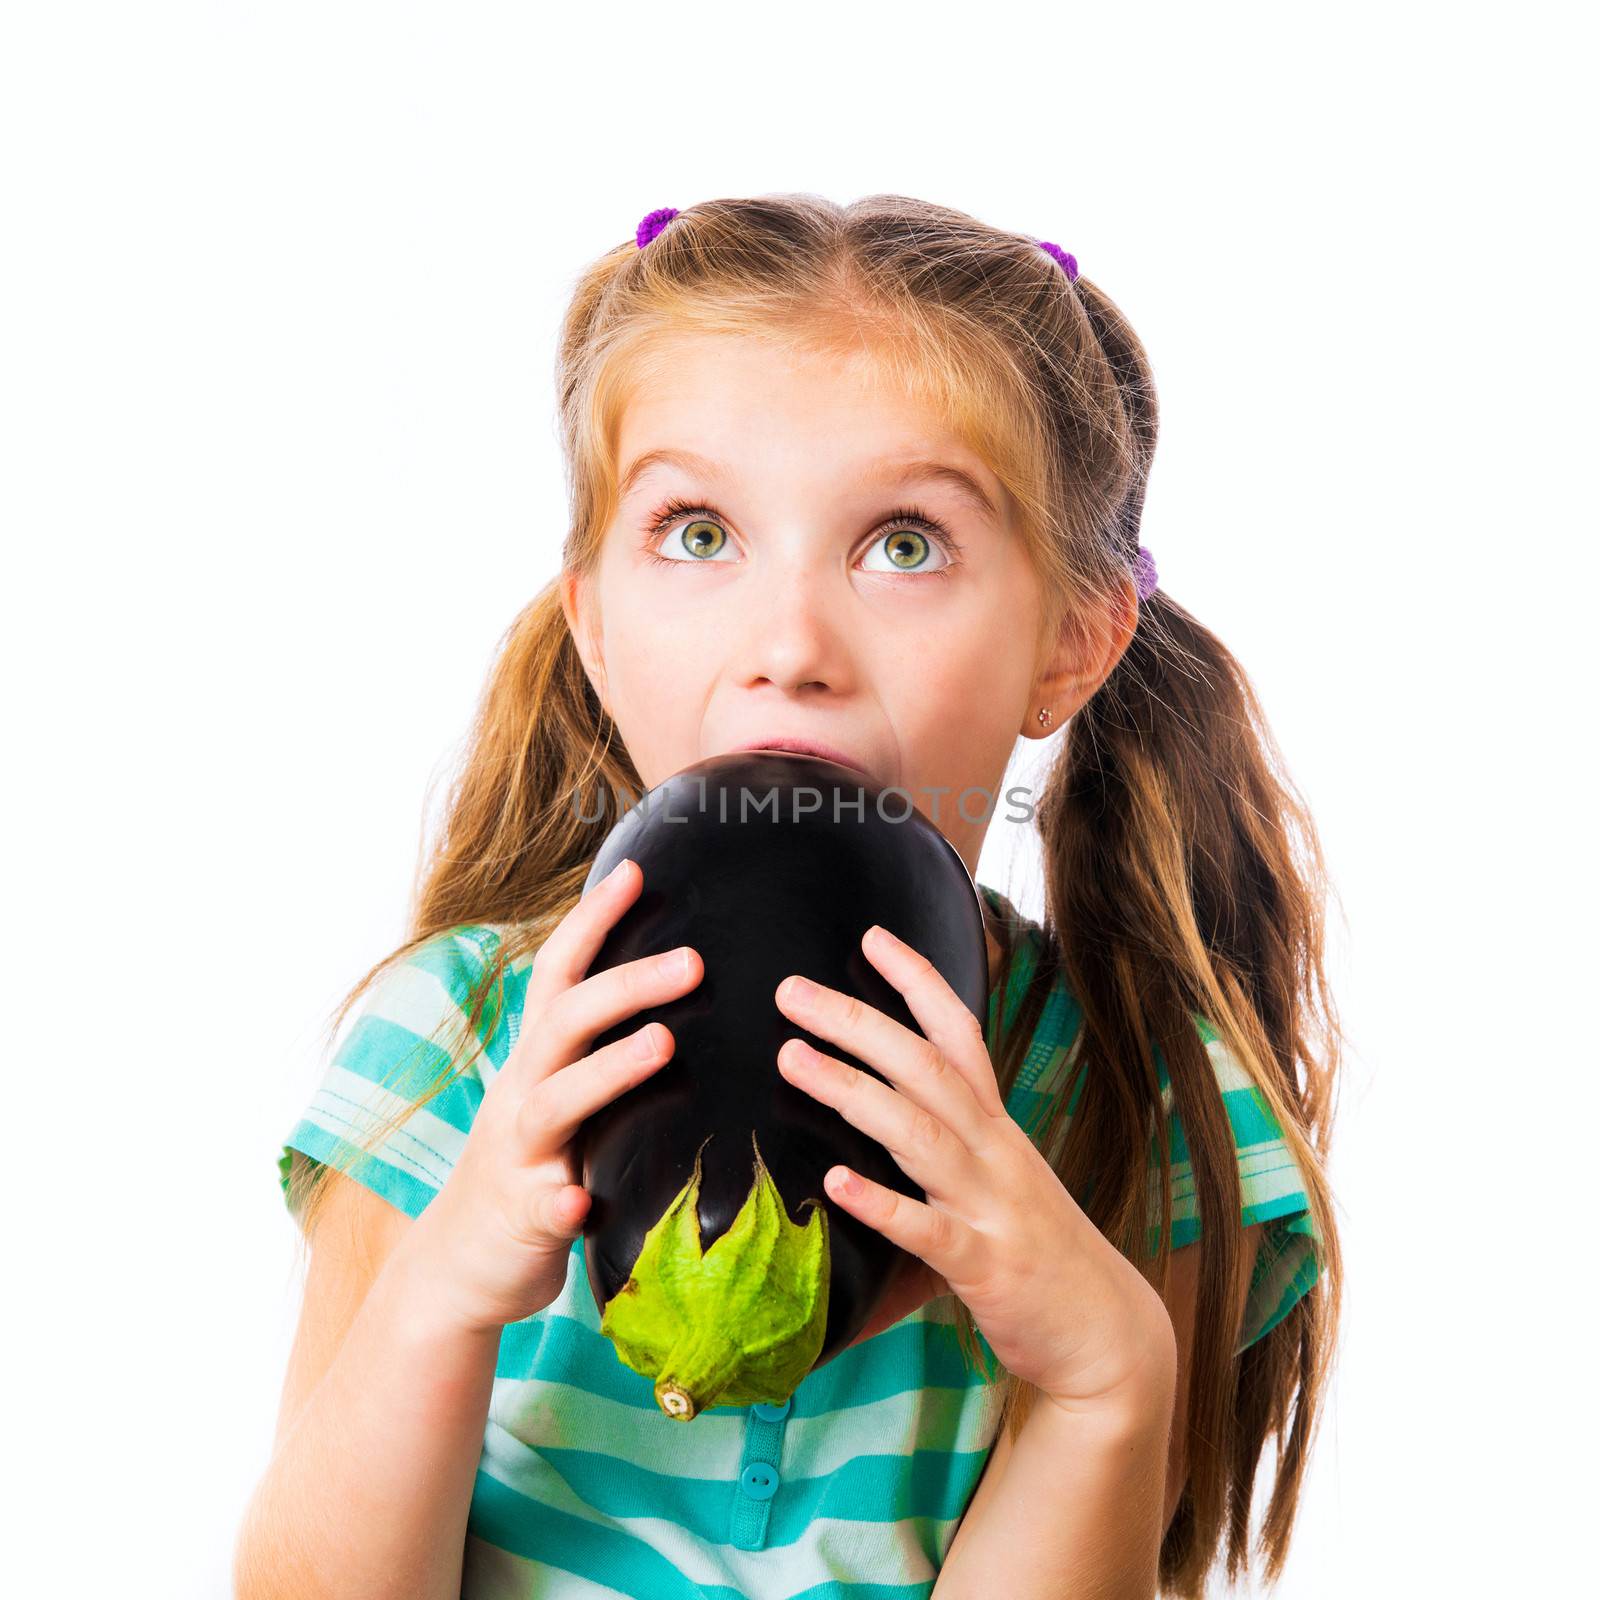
[854, 1489]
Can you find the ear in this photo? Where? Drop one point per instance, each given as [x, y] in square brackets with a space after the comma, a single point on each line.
[576, 605]
[1088, 644]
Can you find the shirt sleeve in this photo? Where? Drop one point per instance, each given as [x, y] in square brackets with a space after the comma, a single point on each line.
[1272, 1192]
[406, 1027]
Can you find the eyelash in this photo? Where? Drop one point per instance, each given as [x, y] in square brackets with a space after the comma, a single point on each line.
[907, 516]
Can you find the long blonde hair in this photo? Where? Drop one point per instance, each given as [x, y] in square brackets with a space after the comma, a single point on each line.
[1183, 874]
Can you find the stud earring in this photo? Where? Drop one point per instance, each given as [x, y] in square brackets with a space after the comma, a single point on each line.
[1046, 716]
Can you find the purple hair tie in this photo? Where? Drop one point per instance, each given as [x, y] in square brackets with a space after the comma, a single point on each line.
[1144, 574]
[1065, 257]
[652, 223]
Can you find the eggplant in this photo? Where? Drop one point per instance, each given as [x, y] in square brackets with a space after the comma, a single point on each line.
[722, 1270]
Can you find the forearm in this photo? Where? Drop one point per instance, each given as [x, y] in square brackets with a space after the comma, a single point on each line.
[367, 1495]
[1077, 1514]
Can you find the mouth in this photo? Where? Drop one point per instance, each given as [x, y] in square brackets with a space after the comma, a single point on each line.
[809, 747]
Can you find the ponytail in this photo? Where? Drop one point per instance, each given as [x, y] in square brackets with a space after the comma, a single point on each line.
[1184, 880]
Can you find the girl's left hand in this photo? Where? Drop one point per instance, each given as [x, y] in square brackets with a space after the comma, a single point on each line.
[1061, 1307]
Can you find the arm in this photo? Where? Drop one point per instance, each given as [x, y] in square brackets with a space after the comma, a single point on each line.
[1073, 1507]
[1038, 1521]
[371, 1477]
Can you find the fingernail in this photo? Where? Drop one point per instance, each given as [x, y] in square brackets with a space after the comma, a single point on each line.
[846, 1182]
[799, 991]
[647, 1044]
[618, 868]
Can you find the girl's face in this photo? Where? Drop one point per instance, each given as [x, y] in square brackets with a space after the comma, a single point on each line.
[773, 587]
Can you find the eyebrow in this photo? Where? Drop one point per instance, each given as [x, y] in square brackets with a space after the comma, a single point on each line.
[963, 483]
[699, 466]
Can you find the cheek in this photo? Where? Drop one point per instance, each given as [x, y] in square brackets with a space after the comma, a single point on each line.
[955, 715]
[652, 661]
[640, 633]
[939, 688]
[657, 673]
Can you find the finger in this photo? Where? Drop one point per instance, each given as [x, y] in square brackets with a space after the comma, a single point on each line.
[940, 1012]
[915, 1065]
[944, 1242]
[560, 1213]
[548, 1117]
[924, 1148]
[552, 1215]
[565, 956]
[568, 1025]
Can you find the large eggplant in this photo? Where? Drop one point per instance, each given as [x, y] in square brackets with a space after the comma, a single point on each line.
[722, 1270]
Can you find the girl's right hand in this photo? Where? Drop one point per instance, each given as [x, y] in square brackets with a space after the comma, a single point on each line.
[494, 1242]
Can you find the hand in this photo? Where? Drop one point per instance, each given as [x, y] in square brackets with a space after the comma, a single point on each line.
[495, 1242]
[1061, 1307]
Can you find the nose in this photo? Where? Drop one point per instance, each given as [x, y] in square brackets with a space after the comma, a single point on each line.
[794, 633]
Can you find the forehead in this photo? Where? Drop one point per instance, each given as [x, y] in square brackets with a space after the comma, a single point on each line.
[723, 408]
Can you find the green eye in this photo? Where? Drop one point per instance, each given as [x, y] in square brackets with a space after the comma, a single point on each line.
[703, 538]
[907, 548]
[909, 545]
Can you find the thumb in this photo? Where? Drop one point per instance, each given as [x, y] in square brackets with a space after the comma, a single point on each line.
[565, 1210]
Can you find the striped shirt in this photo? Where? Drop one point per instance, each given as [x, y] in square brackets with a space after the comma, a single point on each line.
[854, 1488]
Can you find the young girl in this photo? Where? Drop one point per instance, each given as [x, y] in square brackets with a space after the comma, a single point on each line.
[868, 477]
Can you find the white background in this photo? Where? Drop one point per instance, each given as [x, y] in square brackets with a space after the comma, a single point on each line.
[282, 288]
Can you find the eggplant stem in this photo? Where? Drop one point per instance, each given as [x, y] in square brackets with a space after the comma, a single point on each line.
[701, 1363]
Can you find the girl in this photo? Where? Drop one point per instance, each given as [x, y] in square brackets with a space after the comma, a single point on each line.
[870, 477]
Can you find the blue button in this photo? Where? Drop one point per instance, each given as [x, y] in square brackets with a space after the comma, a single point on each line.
[772, 1413]
[759, 1481]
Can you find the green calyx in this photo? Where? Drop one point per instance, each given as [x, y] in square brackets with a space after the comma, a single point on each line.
[740, 1322]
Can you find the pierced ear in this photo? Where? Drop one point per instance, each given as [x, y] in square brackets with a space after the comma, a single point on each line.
[1089, 644]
